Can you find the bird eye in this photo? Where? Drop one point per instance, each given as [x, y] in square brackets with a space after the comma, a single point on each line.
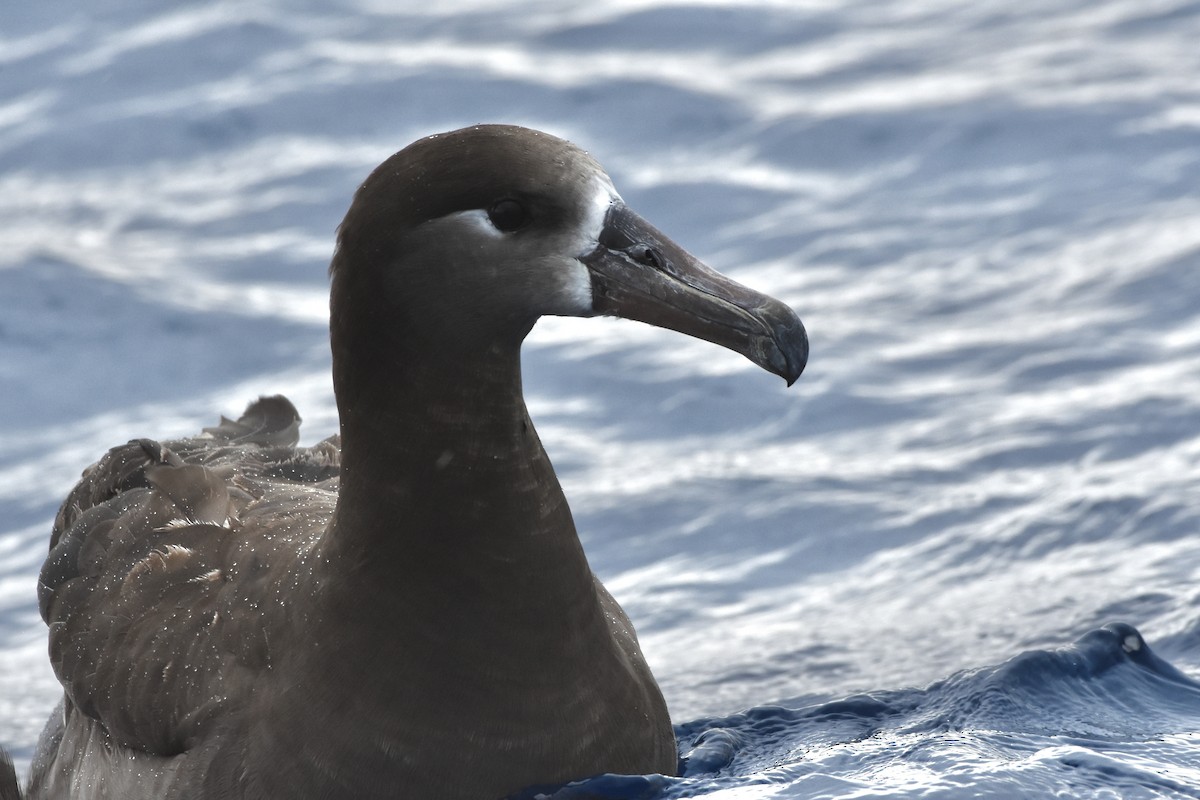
[508, 215]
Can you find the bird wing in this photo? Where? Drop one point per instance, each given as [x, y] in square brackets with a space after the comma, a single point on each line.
[172, 564]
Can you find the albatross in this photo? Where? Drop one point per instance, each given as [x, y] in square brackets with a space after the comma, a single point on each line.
[403, 609]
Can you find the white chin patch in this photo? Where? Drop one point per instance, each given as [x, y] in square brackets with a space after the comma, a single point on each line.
[604, 194]
[573, 297]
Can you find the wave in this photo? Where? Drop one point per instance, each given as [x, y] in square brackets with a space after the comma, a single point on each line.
[1104, 714]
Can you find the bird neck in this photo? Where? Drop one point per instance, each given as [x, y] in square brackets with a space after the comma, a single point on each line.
[447, 497]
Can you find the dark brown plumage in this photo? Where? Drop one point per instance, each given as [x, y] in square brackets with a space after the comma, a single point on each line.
[403, 610]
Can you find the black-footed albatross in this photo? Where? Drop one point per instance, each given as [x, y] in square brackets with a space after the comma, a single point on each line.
[403, 610]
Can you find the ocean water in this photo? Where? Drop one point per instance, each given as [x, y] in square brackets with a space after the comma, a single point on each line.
[957, 559]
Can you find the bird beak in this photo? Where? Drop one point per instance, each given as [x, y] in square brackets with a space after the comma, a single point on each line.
[638, 273]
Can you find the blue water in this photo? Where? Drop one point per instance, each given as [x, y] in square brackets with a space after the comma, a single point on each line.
[1103, 717]
[987, 213]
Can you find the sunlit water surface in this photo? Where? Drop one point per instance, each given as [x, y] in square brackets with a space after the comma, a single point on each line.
[918, 567]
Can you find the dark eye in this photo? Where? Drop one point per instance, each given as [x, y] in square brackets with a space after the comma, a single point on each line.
[508, 215]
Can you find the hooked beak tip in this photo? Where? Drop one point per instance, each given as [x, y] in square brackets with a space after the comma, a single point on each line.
[787, 345]
[790, 353]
